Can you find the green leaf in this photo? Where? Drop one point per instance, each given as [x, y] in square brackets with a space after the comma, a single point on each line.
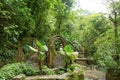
[42, 56]
[45, 48]
[68, 49]
[40, 45]
[33, 49]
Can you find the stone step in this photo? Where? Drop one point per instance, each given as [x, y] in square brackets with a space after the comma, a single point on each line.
[81, 59]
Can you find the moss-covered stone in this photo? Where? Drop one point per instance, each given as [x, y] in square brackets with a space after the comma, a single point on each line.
[19, 77]
[76, 74]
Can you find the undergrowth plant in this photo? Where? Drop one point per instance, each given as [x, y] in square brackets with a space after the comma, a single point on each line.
[69, 55]
[9, 71]
[40, 51]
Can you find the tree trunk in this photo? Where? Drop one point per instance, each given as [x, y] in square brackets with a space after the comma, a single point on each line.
[19, 56]
[59, 27]
[40, 65]
[116, 37]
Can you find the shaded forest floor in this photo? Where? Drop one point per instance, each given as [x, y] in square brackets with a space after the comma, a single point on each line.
[89, 73]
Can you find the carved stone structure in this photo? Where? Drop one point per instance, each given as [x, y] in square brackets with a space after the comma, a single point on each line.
[77, 74]
[51, 46]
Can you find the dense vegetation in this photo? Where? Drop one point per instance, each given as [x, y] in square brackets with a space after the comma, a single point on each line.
[23, 21]
[11, 70]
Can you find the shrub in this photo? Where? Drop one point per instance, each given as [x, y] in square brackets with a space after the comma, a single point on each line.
[7, 54]
[8, 71]
[47, 71]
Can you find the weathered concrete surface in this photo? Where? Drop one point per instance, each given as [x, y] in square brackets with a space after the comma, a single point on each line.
[94, 75]
[50, 77]
[75, 75]
[58, 60]
[19, 77]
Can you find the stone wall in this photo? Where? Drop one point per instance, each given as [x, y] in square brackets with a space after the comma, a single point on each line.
[75, 75]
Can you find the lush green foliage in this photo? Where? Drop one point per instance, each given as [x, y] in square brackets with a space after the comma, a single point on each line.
[68, 49]
[107, 44]
[7, 55]
[69, 55]
[105, 50]
[70, 68]
[22, 21]
[96, 25]
[47, 71]
[40, 50]
[10, 70]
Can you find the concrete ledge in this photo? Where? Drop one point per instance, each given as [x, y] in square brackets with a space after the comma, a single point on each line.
[75, 75]
[19, 77]
[49, 77]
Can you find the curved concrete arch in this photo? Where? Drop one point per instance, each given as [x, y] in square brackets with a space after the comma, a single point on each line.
[51, 48]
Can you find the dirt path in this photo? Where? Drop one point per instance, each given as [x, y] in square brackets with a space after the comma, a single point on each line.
[94, 75]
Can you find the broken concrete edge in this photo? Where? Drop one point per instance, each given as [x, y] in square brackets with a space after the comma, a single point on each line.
[65, 76]
[19, 77]
[78, 73]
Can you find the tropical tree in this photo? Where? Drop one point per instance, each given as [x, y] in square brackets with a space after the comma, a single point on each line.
[95, 25]
[114, 16]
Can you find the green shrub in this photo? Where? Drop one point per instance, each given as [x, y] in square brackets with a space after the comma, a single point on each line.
[61, 70]
[47, 71]
[8, 71]
[7, 54]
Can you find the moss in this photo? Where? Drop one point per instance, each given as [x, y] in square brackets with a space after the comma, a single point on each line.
[76, 75]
